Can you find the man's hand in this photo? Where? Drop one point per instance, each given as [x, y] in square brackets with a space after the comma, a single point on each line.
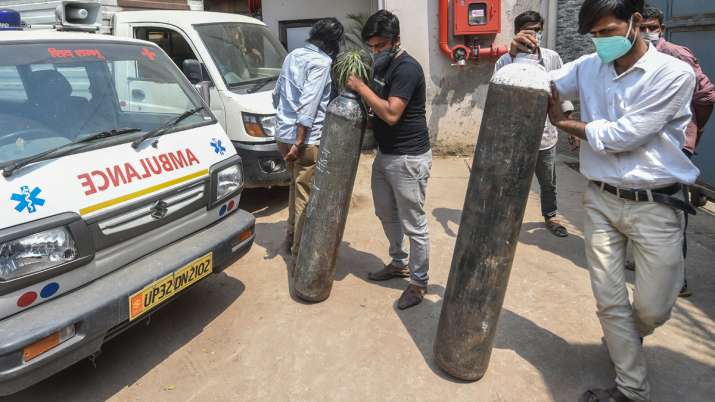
[354, 83]
[292, 155]
[556, 114]
[523, 42]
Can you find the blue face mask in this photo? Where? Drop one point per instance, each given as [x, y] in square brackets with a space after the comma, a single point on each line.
[611, 48]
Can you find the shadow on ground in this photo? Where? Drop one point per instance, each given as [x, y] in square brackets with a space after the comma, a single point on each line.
[567, 369]
[351, 261]
[445, 216]
[264, 201]
[127, 358]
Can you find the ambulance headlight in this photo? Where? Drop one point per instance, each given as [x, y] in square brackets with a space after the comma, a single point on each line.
[36, 252]
[228, 181]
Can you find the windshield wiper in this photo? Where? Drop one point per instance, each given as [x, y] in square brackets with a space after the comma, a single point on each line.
[64, 149]
[261, 83]
[169, 124]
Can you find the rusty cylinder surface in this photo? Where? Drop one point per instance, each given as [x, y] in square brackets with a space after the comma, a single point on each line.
[329, 201]
[502, 170]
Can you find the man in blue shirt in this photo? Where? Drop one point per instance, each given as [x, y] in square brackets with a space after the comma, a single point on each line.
[301, 98]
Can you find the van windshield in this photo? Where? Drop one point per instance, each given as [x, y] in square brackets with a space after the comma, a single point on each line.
[243, 53]
[55, 93]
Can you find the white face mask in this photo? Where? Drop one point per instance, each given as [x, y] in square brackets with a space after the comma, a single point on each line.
[652, 37]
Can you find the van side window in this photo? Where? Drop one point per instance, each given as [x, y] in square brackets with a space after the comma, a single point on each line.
[172, 42]
[12, 88]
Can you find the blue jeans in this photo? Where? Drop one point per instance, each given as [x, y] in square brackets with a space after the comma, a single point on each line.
[546, 175]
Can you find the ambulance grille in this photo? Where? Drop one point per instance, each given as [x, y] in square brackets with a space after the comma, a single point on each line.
[149, 214]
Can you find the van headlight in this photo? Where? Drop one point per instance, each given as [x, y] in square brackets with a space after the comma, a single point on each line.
[259, 125]
[229, 180]
[36, 252]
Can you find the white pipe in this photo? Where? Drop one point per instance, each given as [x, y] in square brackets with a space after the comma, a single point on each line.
[380, 4]
[551, 24]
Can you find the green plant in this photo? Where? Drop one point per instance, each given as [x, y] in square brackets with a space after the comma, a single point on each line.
[352, 62]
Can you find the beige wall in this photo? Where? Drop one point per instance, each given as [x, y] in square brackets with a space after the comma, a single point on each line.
[281, 10]
[455, 96]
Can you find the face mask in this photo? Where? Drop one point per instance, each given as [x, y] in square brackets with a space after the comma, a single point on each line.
[539, 37]
[611, 48]
[381, 60]
[652, 37]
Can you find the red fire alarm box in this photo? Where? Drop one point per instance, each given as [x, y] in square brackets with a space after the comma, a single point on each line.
[476, 17]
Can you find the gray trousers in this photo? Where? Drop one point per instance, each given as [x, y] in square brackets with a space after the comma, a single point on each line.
[546, 175]
[399, 187]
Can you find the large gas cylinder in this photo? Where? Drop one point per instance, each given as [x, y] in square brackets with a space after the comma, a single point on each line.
[329, 201]
[502, 170]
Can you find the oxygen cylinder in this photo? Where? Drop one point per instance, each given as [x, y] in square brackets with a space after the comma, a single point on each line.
[503, 166]
[329, 202]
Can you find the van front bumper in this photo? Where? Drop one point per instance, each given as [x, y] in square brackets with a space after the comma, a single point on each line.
[101, 309]
[263, 165]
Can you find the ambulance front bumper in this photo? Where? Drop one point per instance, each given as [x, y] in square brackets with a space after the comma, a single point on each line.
[100, 310]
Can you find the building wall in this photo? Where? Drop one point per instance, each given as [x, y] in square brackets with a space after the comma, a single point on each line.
[569, 43]
[455, 96]
[285, 10]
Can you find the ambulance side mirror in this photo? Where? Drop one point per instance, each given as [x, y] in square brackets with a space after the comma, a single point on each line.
[193, 71]
[204, 90]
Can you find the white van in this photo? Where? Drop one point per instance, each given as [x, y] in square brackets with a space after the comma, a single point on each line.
[237, 60]
[234, 59]
[119, 189]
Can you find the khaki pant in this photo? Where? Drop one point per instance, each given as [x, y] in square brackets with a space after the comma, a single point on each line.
[301, 171]
[656, 234]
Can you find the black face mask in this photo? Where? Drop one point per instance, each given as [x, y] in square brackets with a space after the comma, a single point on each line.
[382, 60]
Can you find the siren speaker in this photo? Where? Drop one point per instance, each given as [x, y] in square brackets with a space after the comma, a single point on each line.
[78, 15]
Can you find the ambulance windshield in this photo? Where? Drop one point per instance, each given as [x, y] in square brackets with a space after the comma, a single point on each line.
[56, 93]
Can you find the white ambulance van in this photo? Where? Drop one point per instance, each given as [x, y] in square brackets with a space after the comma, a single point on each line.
[119, 189]
[234, 59]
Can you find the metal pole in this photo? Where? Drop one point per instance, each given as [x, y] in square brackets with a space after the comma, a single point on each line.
[503, 167]
[329, 202]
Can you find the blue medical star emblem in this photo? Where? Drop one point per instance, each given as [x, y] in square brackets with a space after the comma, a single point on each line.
[28, 200]
[217, 146]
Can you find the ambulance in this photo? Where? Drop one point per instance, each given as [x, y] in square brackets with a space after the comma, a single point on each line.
[233, 59]
[119, 190]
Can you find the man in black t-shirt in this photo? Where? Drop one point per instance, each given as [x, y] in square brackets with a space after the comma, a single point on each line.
[404, 160]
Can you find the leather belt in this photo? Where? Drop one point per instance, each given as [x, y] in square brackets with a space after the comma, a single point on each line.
[661, 195]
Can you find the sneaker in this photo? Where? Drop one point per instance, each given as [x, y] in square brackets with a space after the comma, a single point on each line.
[412, 296]
[388, 272]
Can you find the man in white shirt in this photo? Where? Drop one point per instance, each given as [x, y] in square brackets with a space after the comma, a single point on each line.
[546, 163]
[635, 106]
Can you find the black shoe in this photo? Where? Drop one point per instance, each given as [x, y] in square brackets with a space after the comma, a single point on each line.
[412, 296]
[388, 272]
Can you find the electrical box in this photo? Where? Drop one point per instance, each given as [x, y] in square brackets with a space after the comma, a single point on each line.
[477, 17]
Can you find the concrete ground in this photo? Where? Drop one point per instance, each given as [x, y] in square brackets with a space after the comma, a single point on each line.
[240, 336]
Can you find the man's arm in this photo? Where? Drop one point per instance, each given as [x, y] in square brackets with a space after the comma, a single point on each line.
[308, 104]
[390, 111]
[644, 120]
[403, 82]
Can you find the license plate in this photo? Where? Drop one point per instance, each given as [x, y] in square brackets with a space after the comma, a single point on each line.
[167, 287]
